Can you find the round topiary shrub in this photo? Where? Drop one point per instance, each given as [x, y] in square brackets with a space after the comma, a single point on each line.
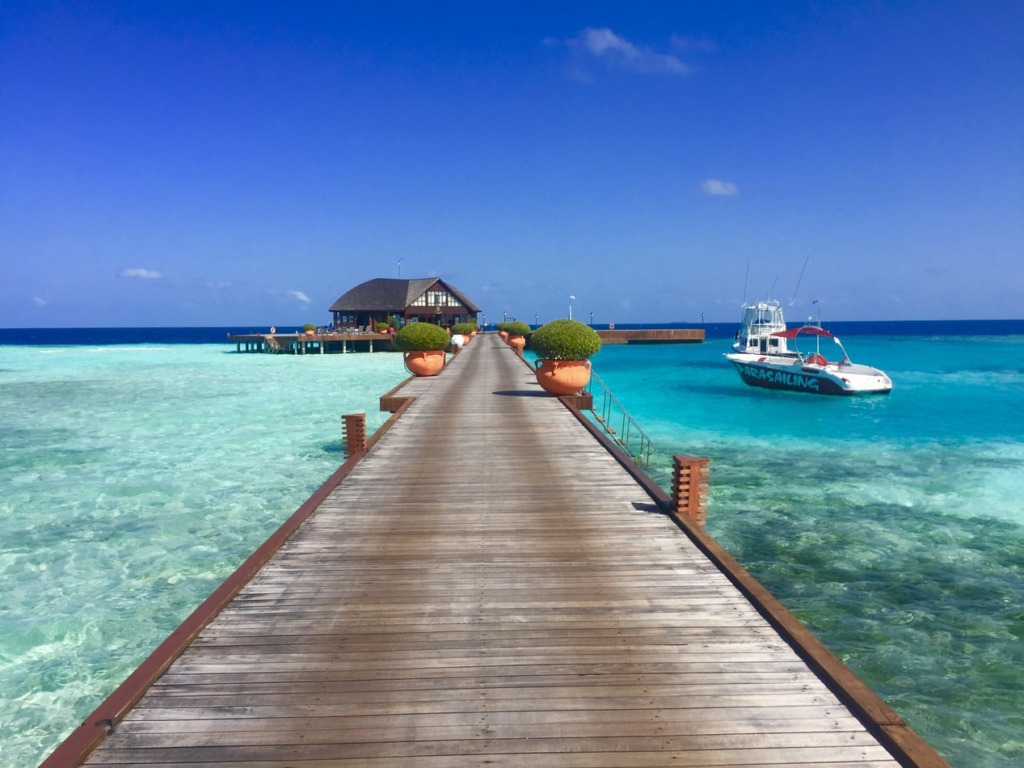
[464, 328]
[421, 337]
[565, 340]
[517, 328]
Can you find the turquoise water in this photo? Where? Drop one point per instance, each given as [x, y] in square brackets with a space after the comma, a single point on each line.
[893, 526]
[137, 476]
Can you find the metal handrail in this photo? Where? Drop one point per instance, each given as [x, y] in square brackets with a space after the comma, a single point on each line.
[630, 437]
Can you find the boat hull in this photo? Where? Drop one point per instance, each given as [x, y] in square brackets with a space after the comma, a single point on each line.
[810, 379]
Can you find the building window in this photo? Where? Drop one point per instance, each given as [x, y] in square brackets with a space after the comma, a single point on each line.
[436, 299]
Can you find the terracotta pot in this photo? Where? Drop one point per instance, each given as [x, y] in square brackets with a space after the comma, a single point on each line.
[503, 335]
[518, 343]
[562, 377]
[427, 363]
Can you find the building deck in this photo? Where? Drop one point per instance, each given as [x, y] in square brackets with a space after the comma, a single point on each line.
[319, 343]
[489, 585]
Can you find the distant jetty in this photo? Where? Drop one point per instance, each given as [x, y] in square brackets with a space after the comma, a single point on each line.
[651, 336]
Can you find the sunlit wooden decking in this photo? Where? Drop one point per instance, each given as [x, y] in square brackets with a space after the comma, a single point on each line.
[488, 586]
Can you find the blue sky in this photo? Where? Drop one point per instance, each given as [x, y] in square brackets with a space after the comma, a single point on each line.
[245, 163]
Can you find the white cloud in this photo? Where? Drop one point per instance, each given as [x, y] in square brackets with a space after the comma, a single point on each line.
[616, 51]
[39, 301]
[717, 188]
[300, 296]
[140, 274]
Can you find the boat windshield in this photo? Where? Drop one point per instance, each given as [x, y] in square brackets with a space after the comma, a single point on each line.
[831, 354]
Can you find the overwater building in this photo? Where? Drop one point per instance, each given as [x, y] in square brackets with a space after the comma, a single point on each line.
[427, 299]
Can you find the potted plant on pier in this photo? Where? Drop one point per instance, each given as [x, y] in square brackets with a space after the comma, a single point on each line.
[424, 345]
[465, 330]
[309, 328]
[564, 349]
[517, 333]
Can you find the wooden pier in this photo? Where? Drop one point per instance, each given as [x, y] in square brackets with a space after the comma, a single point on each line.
[491, 583]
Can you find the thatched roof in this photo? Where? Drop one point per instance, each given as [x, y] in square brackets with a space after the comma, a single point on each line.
[385, 294]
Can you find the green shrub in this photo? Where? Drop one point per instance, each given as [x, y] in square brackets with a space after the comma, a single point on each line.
[517, 328]
[309, 327]
[464, 328]
[419, 337]
[382, 327]
[565, 340]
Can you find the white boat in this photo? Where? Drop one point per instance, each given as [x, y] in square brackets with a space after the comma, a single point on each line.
[765, 354]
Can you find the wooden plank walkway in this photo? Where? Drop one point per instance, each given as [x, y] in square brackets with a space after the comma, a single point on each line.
[488, 586]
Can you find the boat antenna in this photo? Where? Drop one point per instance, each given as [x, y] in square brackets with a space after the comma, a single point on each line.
[792, 301]
[746, 274]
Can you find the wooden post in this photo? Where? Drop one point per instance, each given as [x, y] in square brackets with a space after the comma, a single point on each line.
[689, 487]
[355, 433]
[584, 401]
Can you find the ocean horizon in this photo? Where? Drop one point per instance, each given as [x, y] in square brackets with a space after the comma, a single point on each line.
[142, 465]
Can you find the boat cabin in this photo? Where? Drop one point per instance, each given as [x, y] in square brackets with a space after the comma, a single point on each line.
[755, 335]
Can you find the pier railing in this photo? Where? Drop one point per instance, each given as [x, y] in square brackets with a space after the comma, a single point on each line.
[616, 421]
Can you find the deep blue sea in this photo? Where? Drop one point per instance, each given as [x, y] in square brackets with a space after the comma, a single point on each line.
[140, 466]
